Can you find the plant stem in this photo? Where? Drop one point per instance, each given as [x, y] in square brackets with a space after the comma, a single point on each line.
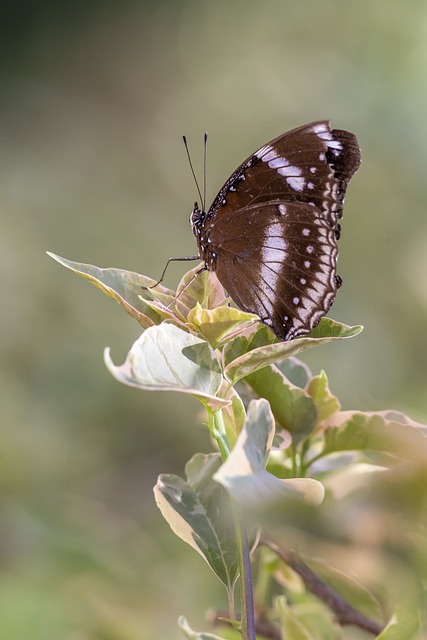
[343, 611]
[303, 465]
[294, 462]
[246, 591]
[219, 433]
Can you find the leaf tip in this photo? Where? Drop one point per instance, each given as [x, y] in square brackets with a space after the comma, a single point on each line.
[58, 259]
[107, 359]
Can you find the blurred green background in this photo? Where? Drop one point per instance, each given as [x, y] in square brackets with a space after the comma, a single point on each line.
[94, 98]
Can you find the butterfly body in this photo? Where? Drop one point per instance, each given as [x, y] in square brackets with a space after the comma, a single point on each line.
[271, 232]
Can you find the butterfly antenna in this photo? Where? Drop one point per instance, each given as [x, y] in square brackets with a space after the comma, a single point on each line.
[192, 169]
[205, 147]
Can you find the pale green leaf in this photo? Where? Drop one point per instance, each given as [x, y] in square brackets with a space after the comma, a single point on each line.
[197, 510]
[125, 287]
[194, 635]
[203, 288]
[167, 358]
[317, 620]
[327, 331]
[350, 589]
[345, 476]
[374, 431]
[406, 622]
[295, 371]
[326, 403]
[244, 476]
[216, 324]
[292, 407]
[242, 344]
[290, 625]
[168, 312]
[234, 416]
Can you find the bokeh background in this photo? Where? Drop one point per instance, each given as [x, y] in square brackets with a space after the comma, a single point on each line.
[94, 98]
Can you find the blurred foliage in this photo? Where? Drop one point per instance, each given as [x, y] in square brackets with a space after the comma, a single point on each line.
[95, 96]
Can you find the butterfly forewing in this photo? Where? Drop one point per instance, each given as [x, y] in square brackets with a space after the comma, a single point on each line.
[271, 232]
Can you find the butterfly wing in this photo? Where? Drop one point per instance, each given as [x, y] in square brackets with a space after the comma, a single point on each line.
[271, 233]
[311, 164]
[278, 260]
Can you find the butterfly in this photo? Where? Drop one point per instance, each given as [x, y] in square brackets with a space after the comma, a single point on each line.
[271, 233]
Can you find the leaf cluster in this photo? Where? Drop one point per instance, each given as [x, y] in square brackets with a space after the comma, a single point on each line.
[282, 441]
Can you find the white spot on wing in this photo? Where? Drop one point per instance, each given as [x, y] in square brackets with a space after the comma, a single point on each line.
[269, 156]
[296, 183]
[290, 171]
[320, 127]
[330, 142]
[277, 163]
[260, 153]
[325, 134]
[274, 252]
[335, 144]
[293, 177]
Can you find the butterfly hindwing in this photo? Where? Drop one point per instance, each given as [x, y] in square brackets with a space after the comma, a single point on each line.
[278, 260]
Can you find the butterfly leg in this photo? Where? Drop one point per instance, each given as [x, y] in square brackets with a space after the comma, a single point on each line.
[186, 259]
[198, 272]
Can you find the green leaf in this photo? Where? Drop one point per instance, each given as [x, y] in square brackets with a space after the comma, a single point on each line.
[166, 311]
[292, 407]
[241, 345]
[204, 289]
[314, 618]
[194, 635]
[125, 287]
[327, 404]
[295, 371]
[216, 324]
[348, 588]
[244, 476]
[234, 417]
[291, 626]
[325, 332]
[374, 431]
[343, 475]
[197, 510]
[167, 358]
[406, 622]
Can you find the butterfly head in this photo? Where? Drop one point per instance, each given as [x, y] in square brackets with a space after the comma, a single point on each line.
[197, 219]
[207, 252]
